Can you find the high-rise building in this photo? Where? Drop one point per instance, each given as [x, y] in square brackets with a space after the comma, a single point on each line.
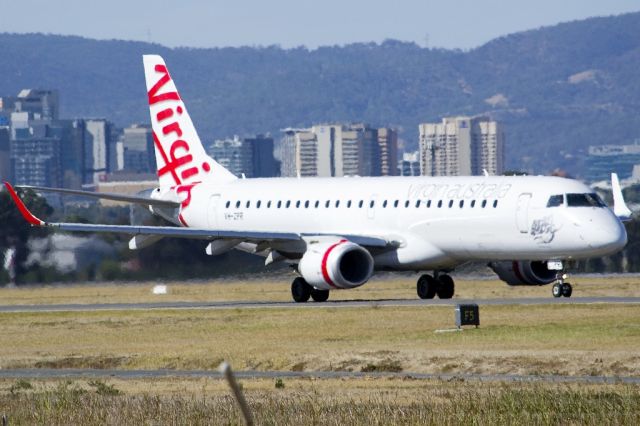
[331, 150]
[409, 165]
[251, 156]
[137, 150]
[461, 146]
[99, 149]
[35, 151]
[298, 152]
[7, 107]
[5, 161]
[71, 134]
[388, 146]
[42, 104]
[264, 163]
[603, 159]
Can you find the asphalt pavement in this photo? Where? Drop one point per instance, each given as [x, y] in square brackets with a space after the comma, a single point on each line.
[328, 304]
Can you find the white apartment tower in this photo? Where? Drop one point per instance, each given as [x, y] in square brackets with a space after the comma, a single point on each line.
[461, 146]
[337, 150]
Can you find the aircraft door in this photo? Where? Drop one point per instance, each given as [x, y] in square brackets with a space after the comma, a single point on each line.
[522, 212]
[212, 210]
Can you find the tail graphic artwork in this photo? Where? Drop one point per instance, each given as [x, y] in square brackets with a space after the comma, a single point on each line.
[180, 156]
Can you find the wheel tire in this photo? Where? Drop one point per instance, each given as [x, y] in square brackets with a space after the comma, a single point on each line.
[319, 295]
[426, 287]
[567, 289]
[300, 290]
[557, 290]
[446, 287]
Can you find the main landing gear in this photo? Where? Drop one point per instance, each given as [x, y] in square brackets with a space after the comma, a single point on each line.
[429, 286]
[301, 292]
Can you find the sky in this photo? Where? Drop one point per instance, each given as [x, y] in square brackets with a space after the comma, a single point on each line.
[462, 24]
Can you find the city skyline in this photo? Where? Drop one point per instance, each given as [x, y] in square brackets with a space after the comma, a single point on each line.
[215, 23]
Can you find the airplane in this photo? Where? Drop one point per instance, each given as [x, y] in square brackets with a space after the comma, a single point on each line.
[338, 232]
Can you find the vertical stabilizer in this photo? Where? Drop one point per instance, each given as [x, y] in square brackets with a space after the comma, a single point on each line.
[180, 156]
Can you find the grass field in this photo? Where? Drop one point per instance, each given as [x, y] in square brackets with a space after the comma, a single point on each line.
[301, 402]
[597, 339]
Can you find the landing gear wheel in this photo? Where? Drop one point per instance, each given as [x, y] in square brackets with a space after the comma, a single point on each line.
[300, 290]
[557, 290]
[566, 290]
[446, 287]
[319, 295]
[426, 287]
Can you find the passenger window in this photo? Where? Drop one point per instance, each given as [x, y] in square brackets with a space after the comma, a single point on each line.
[326, 205]
[484, 203]
[461, 203]
[395, 203]
[248, 204]
[237, 204]
[450, 203]
[288, 204]
[258, 204]
[384, 204]
[406, 204]
[360, 203]
[228, 204]
[555, 200]
[279, 204]
[495, 203]
[349, 204]
[417, 203]
[473, 203]
[269, 204]
[337, 203]
[371, 204]
[439, 203]
[298, 204]
[317, 204]
[306, 204]
[428, 204]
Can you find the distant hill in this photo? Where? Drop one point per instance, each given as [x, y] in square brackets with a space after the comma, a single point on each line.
[558, 89]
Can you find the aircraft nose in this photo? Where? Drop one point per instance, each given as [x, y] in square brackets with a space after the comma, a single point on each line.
[610, 236]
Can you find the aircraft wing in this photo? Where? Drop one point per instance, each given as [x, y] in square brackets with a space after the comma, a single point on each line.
[180, 232]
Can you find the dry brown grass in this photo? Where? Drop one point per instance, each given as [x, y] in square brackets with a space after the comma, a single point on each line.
[368, 401]
[565, 339]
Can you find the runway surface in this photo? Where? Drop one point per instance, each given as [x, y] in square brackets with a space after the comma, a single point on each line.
[47, 373]
[328, 304]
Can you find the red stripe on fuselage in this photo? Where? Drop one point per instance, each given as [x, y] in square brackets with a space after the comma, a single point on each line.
[325, 272]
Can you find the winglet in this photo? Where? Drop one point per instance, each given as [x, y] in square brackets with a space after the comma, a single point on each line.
[620, 208]
[28, 216]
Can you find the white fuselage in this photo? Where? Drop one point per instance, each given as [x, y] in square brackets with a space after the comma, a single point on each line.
[437, 222]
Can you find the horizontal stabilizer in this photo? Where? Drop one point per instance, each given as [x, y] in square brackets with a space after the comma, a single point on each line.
[107, 196]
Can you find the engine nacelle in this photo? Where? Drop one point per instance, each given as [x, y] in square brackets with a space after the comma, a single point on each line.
[336, 265]
[524, 272]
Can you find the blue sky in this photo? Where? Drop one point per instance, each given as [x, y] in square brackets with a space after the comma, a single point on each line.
[207, 23]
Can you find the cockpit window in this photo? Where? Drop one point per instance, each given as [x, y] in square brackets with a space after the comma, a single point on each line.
[584, 200]
[555, 200]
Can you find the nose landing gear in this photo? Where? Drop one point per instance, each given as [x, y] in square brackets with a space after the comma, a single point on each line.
[561, 288]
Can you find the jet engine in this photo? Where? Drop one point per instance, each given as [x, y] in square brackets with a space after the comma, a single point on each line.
[524, 272]
[336, 264]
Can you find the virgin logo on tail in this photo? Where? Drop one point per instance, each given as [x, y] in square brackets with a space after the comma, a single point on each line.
[179, 161]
